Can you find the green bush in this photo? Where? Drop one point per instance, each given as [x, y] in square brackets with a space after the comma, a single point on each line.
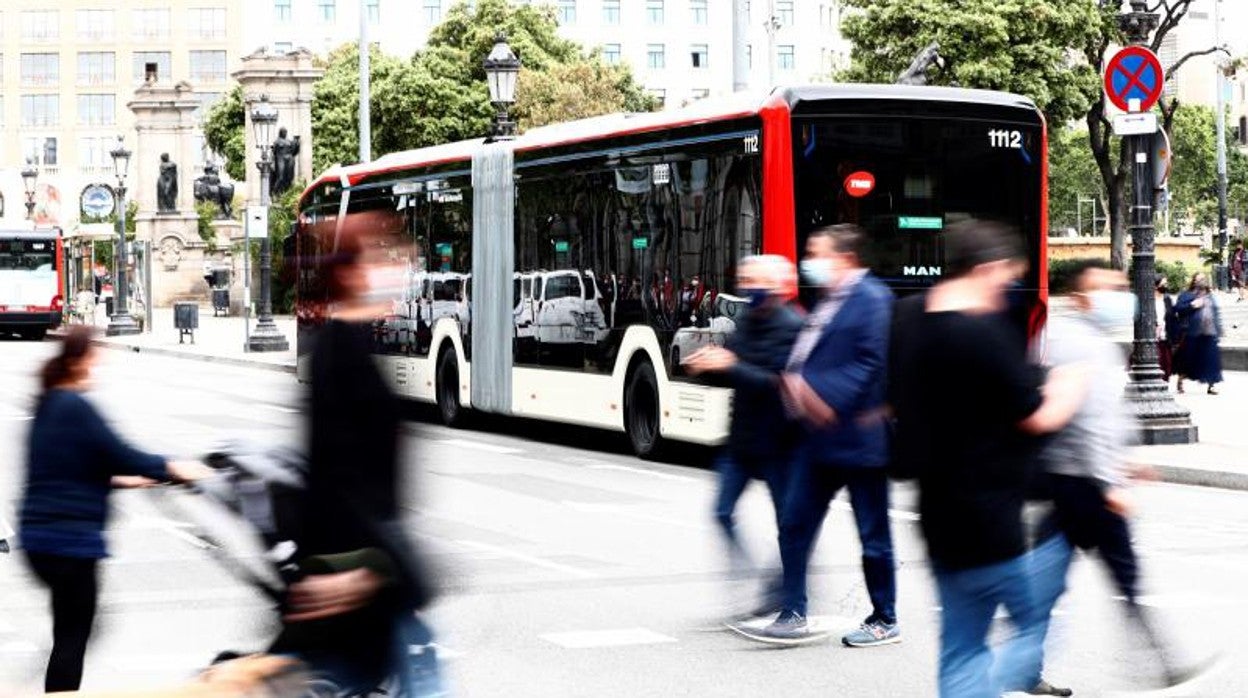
[1177, 274]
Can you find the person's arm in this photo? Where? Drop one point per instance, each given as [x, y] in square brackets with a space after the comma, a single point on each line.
[1063, 395]
[115, 455]
[841, 388]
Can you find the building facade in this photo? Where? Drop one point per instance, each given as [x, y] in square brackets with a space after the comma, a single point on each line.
[70, 67]
[680, 50]
[1210, 23]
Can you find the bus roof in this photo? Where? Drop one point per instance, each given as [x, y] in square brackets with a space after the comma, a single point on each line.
[738, 105]
[37, 234]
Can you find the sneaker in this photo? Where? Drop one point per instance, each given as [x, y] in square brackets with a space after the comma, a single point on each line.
[753, 614]
[873, 633]
[789, 629]
[1044, 688]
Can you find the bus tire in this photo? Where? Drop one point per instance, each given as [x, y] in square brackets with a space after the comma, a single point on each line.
[450, 410]
[36, 335]
[641, 411]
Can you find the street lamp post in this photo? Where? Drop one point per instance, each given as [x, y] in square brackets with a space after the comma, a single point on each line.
[266, 337]
[121, 321]
[501, 69]
[1161, 419]
[29, 176]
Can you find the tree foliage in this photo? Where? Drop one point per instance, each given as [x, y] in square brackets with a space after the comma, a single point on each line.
[223, 132]
[1073, 176]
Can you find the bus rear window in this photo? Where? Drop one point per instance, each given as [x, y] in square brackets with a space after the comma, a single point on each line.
[27, 255]
[905, 179]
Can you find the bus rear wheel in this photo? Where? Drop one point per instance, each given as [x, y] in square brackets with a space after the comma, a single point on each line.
[34, 335]
[641, 411]
[449, 409]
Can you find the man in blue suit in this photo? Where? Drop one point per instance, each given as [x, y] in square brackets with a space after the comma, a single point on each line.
[834, 384]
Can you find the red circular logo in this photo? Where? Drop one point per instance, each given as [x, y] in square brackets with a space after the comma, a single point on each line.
[859, 184]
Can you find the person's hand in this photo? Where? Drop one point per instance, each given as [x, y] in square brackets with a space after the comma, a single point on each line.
[188, 470]
[326, 595]
[1198, 303]
[133, 481]
[1143, 472]
[246, 676]
[810, 406]
[1119, 501]
[710, 360]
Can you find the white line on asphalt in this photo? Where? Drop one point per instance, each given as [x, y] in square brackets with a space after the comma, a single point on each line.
[622, 510]
[641, 471]
[19, 647]
[898, 514]
[606, 638]
[278, 408]
[536, 561]
[477, 445]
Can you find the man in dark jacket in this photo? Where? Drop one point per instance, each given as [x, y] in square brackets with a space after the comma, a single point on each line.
[834, 384]
[761, 437]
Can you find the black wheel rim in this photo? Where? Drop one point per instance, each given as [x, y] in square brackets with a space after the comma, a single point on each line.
[644, 416]
[448, 383]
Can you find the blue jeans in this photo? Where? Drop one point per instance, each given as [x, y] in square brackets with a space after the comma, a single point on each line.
[735, 474]
[969, 599]
[811, 490]
[416, 663]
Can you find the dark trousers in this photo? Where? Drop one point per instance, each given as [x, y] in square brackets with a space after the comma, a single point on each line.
[812, 488]
[735, 473]
[74, 587]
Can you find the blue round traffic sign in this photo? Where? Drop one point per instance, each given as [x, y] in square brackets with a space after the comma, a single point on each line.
[1134, 73]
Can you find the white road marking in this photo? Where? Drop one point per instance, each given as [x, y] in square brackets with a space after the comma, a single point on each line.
[606, 638]
[278, 408]
[477, 446]
[622, 510]
[19, 647]
[536, 561]
[641, 471]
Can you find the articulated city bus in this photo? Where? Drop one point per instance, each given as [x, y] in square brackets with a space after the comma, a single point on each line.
[563, 275]
[32, 264]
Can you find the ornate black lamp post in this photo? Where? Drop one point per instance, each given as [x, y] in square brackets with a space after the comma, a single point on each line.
[266, 337]
[501, 69]
[121, 322]
[29, 175]
[1161, 419]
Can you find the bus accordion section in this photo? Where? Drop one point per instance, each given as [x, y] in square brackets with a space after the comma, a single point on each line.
[32, 282]
[565, 274]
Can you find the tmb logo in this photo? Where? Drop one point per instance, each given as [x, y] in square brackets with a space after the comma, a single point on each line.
[859, 184]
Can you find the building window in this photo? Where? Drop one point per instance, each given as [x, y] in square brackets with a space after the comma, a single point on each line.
[208, 22]
[97, 68]
[151, 23]
[328, 9]
[698, 8]
[40, 150]
[433, 11]
[97, 110]
[281, 10]
[699, 54]
[611, 53]
[660, 95]
[373, 7]
[567, 12]
[207, 66]
[654, 11]
[207, 100]
[93, 151]
[784, 57]
[41, 110]
[161, 59]
[656, 56]
[41, 69]
[784, 12]
[41, 25]
[610, 11]
[95, 24]
[283, 47]
[701, 94]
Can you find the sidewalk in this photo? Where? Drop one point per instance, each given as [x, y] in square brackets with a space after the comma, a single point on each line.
[1220, 458]
[218, 339]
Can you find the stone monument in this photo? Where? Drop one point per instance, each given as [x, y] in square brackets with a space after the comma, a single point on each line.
[287, 79]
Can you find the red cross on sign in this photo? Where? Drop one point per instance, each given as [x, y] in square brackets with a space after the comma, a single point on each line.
[1134, 78]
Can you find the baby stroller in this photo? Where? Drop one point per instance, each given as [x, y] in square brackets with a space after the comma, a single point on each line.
[263, 487]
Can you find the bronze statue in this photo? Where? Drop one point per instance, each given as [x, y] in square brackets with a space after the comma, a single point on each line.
[210, 188]
[167, 186]
[916, 74]
[284, 152]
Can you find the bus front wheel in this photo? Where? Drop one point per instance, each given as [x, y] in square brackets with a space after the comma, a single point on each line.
[449, 408]
[34, 335]
[641, 411]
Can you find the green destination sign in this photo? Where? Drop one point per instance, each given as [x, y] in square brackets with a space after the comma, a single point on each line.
[920, 223]
[561, 245]
[641, 243]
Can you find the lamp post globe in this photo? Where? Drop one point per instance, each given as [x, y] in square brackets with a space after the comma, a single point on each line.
[266, 337]
[121, 322]
[30, 174]
[502, 68]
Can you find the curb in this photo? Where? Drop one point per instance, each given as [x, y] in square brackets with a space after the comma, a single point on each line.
[208, 358]
[1199, 477]
[1234, 358]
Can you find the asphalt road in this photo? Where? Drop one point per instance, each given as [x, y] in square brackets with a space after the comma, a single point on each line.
[569, 568]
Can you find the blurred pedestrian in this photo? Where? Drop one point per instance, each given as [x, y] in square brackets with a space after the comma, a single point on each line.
[1200, 321]
[834, 384]
[74, 459]
[353, 616]
[761, 437]
[968, 394]
[1164, 314]
[1239, 270]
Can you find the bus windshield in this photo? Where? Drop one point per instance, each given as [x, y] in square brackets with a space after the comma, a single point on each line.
[27, 255]
[905, 178]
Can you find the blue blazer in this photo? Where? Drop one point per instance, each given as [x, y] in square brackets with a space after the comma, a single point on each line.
[847, 370]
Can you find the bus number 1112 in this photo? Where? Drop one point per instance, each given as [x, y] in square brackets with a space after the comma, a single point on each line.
[1001, 138]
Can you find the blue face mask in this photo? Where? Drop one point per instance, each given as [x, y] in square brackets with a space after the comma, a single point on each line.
[757, 296]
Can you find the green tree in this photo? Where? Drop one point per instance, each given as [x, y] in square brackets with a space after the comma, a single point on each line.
[1194, 177]
[223, 132]
[1073, 176]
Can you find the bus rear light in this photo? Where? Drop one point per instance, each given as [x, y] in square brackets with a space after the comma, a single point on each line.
[58, 303]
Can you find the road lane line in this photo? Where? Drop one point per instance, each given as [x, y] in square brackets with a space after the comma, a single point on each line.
[621, 637]
[477, 446]
[536, 561]
[278, 408]
[622, 510]
[641, 471]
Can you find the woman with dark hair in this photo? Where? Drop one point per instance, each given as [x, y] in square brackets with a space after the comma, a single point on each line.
[74, 459]
[1164, 306]
[1200, 322]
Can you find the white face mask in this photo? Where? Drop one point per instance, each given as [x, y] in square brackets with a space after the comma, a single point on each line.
[1112, 310]
[819, 271]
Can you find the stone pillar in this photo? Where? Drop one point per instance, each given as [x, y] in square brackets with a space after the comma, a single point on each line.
[287, 80]
[165, 123]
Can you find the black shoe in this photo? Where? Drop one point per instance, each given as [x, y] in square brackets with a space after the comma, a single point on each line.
[4, 546]
[789, 629]
[1044, 688]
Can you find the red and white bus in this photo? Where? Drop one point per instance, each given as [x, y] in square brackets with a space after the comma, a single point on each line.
[32, 282]
[562, 275]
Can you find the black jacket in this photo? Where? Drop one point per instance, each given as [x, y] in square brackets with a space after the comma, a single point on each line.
[761, 342]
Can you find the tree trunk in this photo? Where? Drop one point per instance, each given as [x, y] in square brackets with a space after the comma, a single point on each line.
[1117, 226]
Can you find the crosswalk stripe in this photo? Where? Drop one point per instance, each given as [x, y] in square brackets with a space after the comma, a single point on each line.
[586, 639]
